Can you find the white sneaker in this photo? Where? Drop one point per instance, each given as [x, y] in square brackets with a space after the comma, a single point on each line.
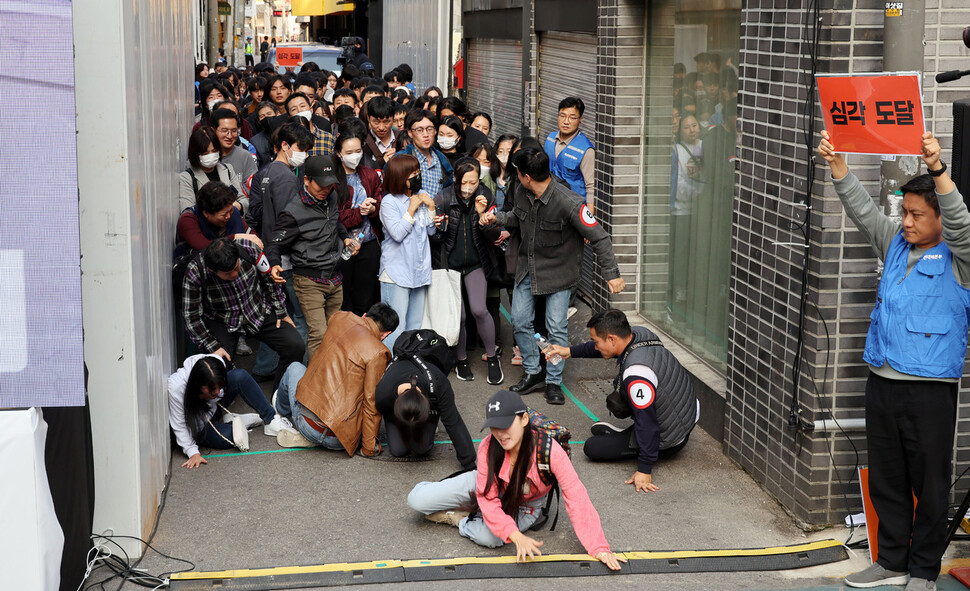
[276, 425]
[272, 402]
[290, 437]
[571, 312]
[251, 420]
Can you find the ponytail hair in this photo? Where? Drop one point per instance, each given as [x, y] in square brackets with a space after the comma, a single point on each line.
[511, 497]
[411, 411]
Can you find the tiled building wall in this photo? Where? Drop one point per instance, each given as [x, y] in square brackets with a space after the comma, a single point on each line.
[797, 467]
[618, 137]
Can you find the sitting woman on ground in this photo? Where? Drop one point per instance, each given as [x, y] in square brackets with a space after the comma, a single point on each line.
[467, 249]
[509, 492]
[205, 164]
[199, 394]
[412, 396]
[407, 216]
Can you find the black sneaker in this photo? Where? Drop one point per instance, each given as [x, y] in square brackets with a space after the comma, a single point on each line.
[604, 428]
[495, 375]
[464, 371]
[529, 383]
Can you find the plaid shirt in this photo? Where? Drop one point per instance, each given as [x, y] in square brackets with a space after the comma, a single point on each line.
[431, 179]
[243, 305]
[322, 143]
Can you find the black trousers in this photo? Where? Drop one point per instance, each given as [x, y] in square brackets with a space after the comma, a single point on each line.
[249, 60]
[614, 447]
[361, 286]
[909, 432]
[285, 340]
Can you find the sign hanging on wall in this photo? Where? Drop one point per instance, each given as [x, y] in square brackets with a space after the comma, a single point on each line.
[873, 113]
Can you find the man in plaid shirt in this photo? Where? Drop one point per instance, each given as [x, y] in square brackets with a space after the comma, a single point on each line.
[228, 292]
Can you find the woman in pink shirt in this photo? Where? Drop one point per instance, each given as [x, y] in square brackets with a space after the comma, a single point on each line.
[507, 489]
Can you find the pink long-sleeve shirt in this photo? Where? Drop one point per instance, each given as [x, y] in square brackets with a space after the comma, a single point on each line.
[585, 519]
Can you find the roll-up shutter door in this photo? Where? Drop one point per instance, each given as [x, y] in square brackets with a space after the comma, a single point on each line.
[493, 78]
[567, 67]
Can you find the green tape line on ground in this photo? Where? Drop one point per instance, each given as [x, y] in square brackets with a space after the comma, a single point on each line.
[581, 406]
[279, 451]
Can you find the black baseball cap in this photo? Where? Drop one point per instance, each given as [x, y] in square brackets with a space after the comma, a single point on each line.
[502, 409]
[320, 169]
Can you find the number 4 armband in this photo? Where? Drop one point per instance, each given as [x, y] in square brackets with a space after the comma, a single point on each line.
[640, 384]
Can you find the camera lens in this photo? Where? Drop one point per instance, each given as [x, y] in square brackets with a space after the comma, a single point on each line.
[966, 36]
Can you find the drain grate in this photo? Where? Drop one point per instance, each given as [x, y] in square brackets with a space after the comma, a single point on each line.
[598, 389]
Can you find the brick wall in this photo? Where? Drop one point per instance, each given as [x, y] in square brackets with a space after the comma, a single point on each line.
[803, 469]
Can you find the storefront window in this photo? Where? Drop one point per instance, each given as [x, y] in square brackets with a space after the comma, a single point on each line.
[691, 146]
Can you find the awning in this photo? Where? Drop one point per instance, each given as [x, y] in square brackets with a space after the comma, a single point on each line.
[321, 7]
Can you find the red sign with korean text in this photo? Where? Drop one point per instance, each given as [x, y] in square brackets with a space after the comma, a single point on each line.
[289, 56]
[873, 114]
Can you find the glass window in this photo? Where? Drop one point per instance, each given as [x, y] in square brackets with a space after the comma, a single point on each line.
[691, 146]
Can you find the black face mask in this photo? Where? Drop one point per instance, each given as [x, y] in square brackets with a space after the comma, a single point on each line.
[414, 184]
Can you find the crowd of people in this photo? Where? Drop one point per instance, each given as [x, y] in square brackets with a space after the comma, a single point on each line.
[317, 212]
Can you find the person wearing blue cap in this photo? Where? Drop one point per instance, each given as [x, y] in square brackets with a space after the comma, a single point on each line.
[506, 492]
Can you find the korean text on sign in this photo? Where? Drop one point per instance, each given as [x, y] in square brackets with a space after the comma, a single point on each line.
[289, 56]
[873, 114]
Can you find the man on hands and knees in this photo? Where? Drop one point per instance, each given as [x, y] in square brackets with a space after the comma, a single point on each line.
[650, 385]
[333, 402]
[916, 347]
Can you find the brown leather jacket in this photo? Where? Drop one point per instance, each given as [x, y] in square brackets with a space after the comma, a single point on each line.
[340, 384]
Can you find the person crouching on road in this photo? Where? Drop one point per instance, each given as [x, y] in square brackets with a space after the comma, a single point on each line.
[651, 385]
[198, 394]
[508, 491]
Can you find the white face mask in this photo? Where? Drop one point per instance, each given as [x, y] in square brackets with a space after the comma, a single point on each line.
[447, 143]
[212, 104]
[467, 192]
[209, 160]
[483, 172]
[504, 159]
[296, 159]
[306, 114]
[352, 160]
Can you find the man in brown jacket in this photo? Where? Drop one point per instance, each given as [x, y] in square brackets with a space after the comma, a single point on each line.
[332, 401]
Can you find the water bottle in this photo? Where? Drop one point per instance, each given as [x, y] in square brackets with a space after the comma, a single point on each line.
[422, 217]
[543, 345]
[348, 250]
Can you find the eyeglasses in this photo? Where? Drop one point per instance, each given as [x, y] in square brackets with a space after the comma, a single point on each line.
[569, 118]
[423, 130]
[229, 132]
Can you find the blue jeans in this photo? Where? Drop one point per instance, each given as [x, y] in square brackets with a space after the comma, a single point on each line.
[287, 405]
[238, 383]
[266, 358]
[459, 493]
[409, 305]
[557, 324]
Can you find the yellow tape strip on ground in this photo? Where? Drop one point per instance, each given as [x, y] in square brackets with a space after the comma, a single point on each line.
[508, 559]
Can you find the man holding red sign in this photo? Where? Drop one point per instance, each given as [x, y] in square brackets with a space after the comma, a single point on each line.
[916, 347]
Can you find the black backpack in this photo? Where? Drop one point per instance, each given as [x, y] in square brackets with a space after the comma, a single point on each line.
[428, 345]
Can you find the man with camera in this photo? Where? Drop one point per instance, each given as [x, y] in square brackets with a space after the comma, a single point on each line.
[651, 386]
[916, 350]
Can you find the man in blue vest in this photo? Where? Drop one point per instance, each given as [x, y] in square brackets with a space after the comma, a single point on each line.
[570, 151]
[916, 347]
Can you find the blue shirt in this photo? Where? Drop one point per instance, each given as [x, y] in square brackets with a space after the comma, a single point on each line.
[405, 252]
[359, 194]
[431, 175]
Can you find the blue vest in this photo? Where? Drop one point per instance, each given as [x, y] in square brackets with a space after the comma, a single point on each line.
[919, 323]
[566, 166]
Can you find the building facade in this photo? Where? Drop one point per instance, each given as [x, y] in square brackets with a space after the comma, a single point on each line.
[736, 248]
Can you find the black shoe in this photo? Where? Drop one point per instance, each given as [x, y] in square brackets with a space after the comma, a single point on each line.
[604, 428]
[554, 394]
[495, 375]
[464, 371]
[529, 383]
[260, 377]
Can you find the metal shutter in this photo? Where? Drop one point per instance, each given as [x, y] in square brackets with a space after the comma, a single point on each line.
[567, 67]
[493, 76]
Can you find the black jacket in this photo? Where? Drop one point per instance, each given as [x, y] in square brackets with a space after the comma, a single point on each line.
[483, 237]
[311, 232]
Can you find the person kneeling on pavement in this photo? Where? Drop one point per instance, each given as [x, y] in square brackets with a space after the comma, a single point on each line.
[651, 385]
[332, 402]
[509, 491]
[198, 395]
[415, 394]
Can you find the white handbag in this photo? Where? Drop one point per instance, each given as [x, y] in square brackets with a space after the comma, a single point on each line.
[442, 308]
[240, 435]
